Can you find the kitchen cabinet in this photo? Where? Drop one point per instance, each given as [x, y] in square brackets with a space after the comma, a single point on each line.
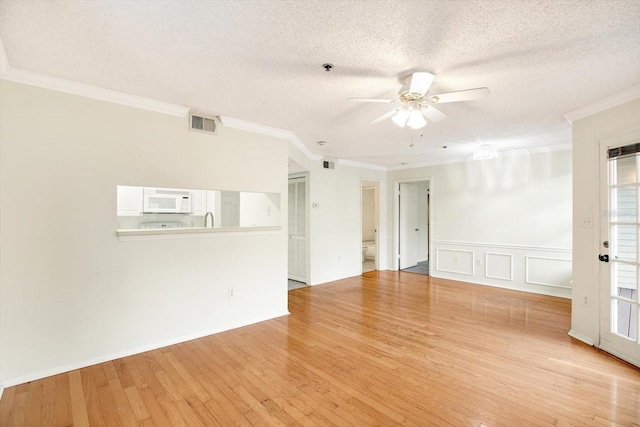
[198, 202]
[129, 200]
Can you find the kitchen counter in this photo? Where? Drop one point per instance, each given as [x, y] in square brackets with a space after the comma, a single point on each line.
[187, 232]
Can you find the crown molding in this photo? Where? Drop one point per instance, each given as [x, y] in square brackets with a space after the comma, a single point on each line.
[504, 153]
[293, 139]
[4, 61]
[94, 92]
[269, 131]
[18, 75]
[604, 104]
[361, 165]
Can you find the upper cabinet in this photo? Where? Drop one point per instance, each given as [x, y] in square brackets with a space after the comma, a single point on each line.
[198, 202]
[129, 200]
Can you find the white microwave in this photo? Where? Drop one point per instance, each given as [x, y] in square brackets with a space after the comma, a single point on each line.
[160, 200]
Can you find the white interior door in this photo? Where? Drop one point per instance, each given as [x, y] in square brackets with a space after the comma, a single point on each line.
[297, 229]
[230, 209]
[408, 225]
[620, 187]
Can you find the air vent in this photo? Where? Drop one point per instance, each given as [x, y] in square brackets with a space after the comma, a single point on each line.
[328, 164]
[202, 123]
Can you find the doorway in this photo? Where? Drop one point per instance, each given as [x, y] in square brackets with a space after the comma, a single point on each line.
[619, 237]
[297, 271]
[370, 205]
[413, 234]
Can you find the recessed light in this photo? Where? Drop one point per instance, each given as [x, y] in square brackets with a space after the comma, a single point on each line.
[321, 143]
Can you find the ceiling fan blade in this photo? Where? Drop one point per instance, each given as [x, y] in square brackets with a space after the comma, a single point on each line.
[461, 95]
[420, 82]
[382, 100]
[384, 116]
[434, 114]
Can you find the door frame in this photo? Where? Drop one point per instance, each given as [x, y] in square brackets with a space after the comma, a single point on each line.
[602, 224]
[376, 197]
[408, 226]
[395, 264]
[307, 202]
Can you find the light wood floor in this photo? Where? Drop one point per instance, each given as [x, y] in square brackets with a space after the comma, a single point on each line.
[384, 349]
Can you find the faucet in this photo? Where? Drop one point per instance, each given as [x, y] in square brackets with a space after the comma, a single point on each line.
[206, 217]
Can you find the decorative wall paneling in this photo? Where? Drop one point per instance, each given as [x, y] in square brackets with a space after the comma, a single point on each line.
[455, 261]
[543, 270]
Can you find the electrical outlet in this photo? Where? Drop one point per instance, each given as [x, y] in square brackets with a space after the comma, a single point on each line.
[230, 292]
[586, 301]
[479, 262]
[455, 259]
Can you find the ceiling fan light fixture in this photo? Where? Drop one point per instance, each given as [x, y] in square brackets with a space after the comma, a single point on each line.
[401, 118]
[416, 120]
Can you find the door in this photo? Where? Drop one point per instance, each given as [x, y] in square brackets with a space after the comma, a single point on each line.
[297, 211]
[619, 231]
[230, 209]
[369, 219]
[408, 225]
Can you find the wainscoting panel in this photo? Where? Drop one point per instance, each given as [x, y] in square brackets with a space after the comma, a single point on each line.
[498, 266]
[455, 261]
[543, 270]
[548, 271]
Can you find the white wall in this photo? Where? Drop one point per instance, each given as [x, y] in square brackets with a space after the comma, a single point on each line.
[502, 222]
[335, 230]
[613, 125]
[72, 294]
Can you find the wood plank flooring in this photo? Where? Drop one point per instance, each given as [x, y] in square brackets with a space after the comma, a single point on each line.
[387, 348]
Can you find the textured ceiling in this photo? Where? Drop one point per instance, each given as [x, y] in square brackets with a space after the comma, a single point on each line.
[261, 61]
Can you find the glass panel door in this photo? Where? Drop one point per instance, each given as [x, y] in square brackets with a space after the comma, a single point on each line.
[619, 304]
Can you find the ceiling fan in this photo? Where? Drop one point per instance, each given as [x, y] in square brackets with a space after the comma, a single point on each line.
[415, 105]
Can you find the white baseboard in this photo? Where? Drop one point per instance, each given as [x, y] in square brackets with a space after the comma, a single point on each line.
[471, 281]
[581, 337]
[79, 365]
[1, 391]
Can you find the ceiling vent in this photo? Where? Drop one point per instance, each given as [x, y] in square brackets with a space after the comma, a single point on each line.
[201, 123]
